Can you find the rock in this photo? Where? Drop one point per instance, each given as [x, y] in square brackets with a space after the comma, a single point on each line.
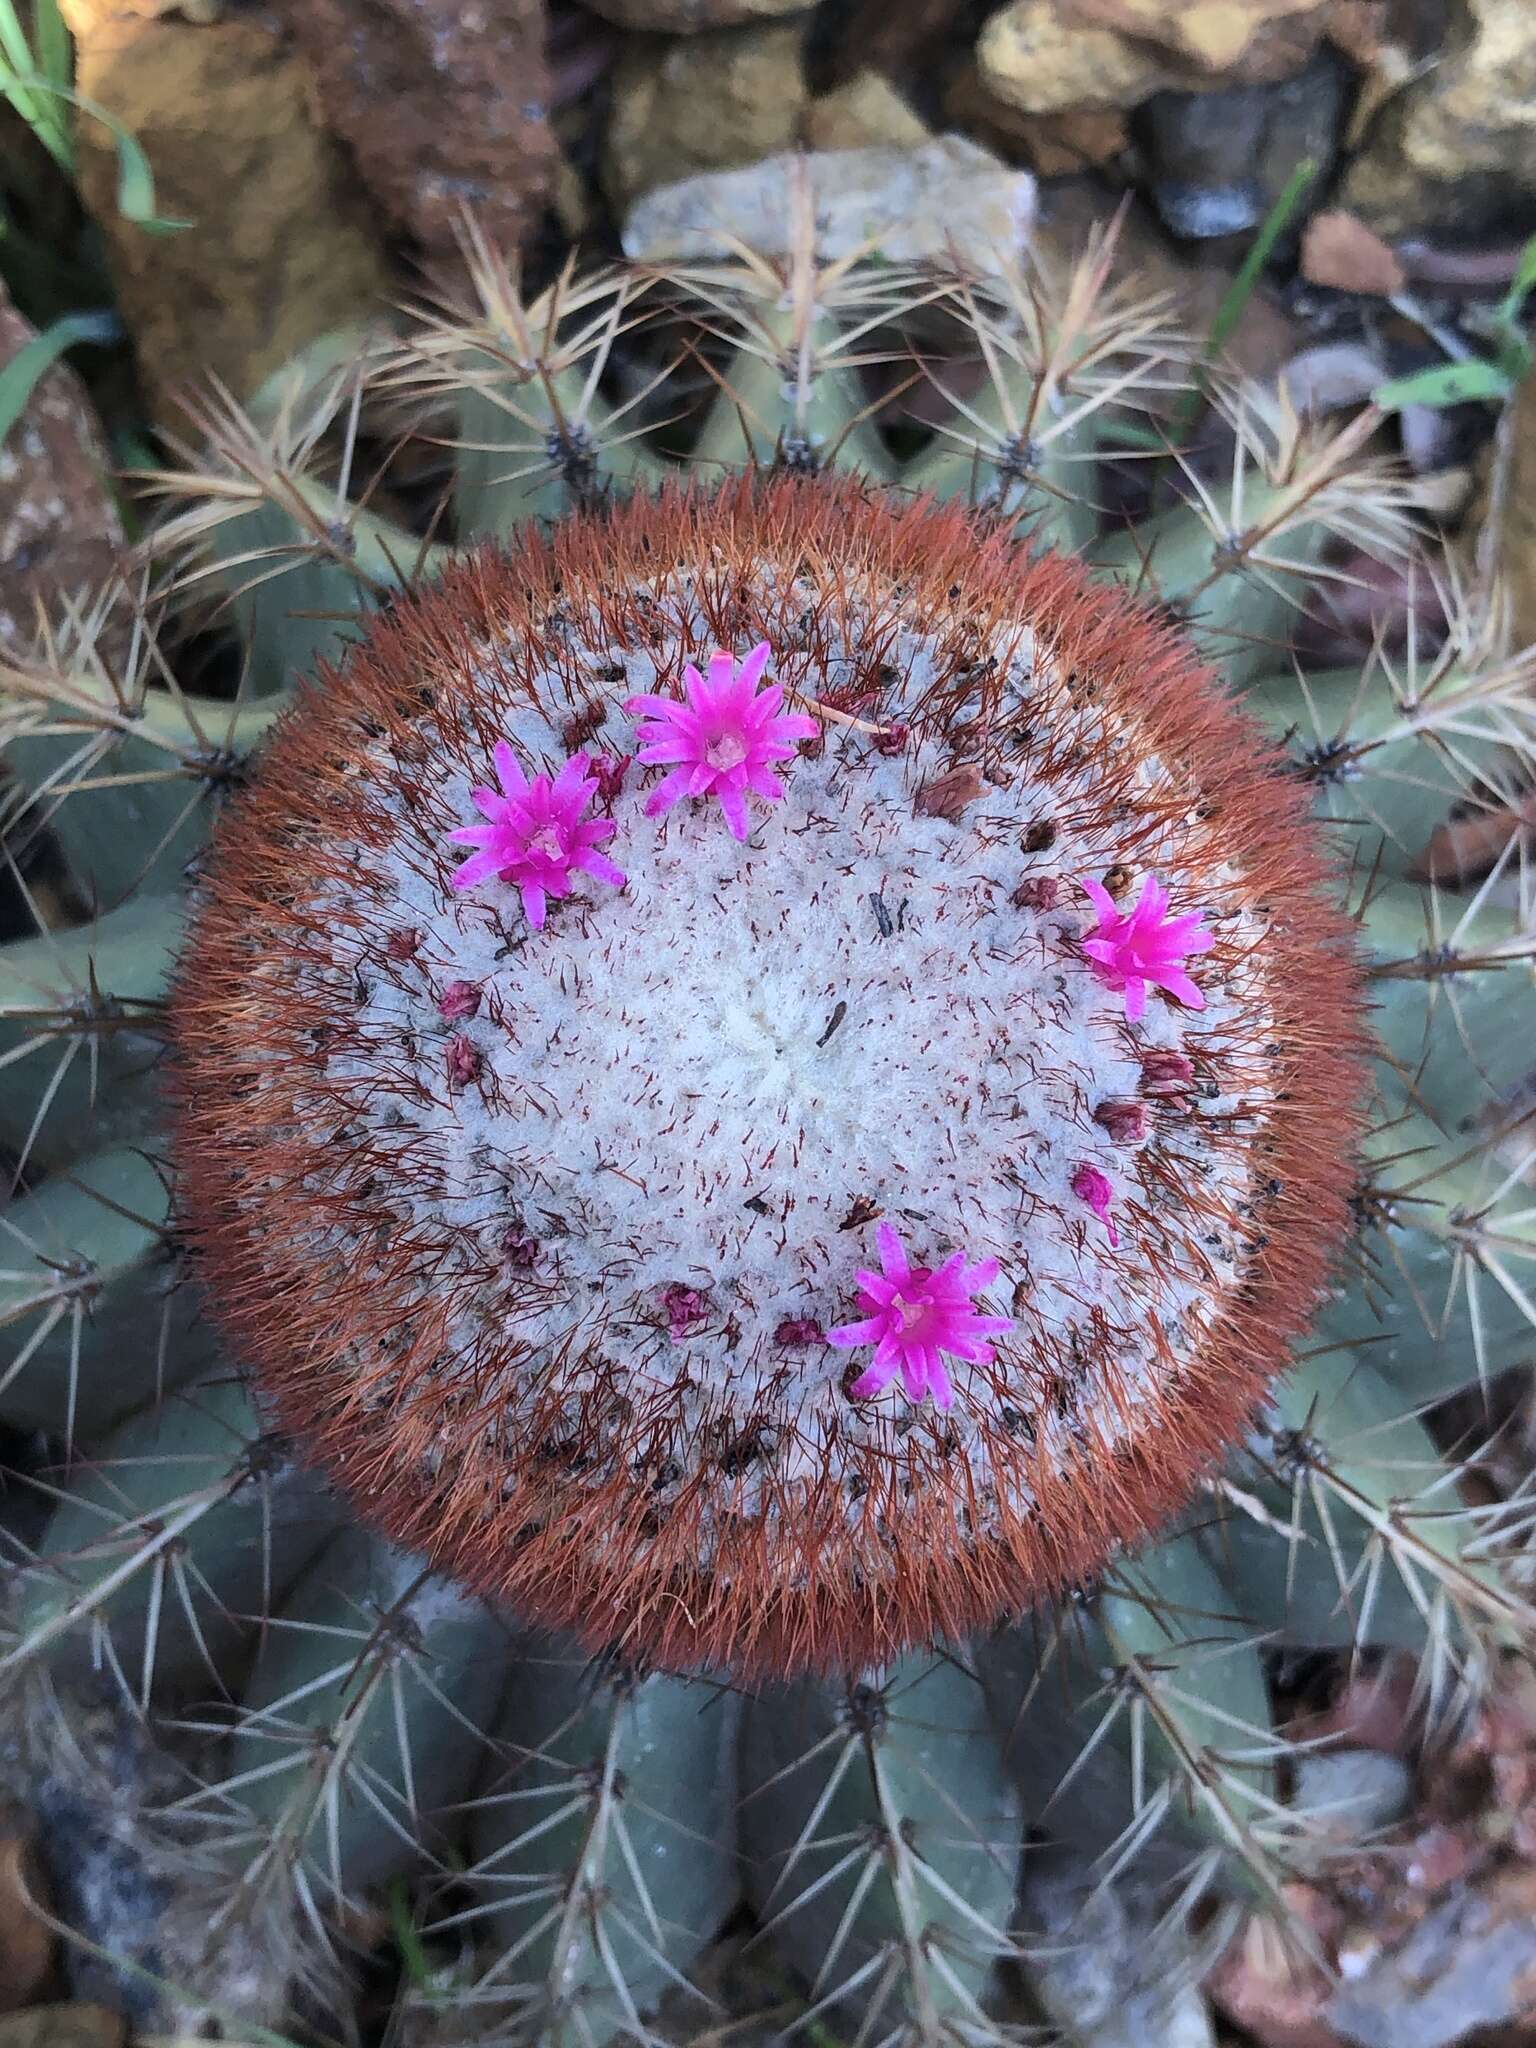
[26, 1943]
[903, 41]
[1469, 1963]
[1361, 29]
[1269, 1984]
[689, 17]
[1033, 59]
[1217, 161]
[282, 245]
[1053, 145]
[1104, 1963]
[1339, 250]
[60, 534]
[76, 2025]
[1352, 1792]
[706, 103]
[947, 196]
[866, 113]
[443, 105]
[1456, 147]
[1250, 42]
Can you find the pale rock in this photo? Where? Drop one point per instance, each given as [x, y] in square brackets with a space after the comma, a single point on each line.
[949, 195]
[1351, 1793]
[1031, 58]
[1241, 42]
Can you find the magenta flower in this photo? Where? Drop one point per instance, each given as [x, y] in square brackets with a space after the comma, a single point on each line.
[537, 835]
[1098, 1191]
[724, 739]
[1146, 949]
[915, 1315]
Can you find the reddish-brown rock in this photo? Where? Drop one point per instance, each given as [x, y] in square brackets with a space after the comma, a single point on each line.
[442, 105]
[59, 529]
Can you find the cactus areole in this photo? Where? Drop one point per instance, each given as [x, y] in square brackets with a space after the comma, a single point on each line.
[851, 1147]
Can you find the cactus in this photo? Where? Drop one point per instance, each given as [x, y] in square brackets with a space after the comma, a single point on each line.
[719, 1488]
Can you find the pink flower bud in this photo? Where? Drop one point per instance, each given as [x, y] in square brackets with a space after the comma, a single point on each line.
[683, 1306]
[1036, 892]
[460, 999]
[464, 1062]
[1126, 1122]
[1166, 1073]
[797, 1330]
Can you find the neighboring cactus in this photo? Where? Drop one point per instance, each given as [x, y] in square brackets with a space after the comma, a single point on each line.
[668, 1454]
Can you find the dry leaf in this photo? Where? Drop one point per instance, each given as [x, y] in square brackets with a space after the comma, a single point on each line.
[948, 794]
[1340, 250]
[26, 1943]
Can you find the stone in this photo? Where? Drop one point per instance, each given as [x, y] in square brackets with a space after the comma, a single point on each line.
[1217, 161]
[1249, 42]
[1106, 1964]
[1455, 149]
[866, 113]
[690, 17]
[703, 103]
[1340, 251]
[1033, 59]
[1053, 145]
[77, 2025]
[60, 535]
[442, 105]
[917, 204]
[282, 246]
[1352, 1792]
[1470, 1963]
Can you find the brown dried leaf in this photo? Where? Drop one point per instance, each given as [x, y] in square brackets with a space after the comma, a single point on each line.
[1463, 850]
[1338, 249]
[26, 1942]
[948, 794]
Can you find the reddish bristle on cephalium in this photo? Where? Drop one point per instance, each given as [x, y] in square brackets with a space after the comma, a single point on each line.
[537, 1235]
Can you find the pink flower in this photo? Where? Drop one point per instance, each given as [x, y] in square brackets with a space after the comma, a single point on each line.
[537, 834]
[1098, 1191]
[1145, 949]
[917, 1314]
[724, 739]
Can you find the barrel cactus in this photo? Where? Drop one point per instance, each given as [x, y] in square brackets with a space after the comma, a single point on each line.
[735, 1190]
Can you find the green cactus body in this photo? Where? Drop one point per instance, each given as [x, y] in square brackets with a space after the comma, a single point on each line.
[881, 1842]
[603, 1840]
